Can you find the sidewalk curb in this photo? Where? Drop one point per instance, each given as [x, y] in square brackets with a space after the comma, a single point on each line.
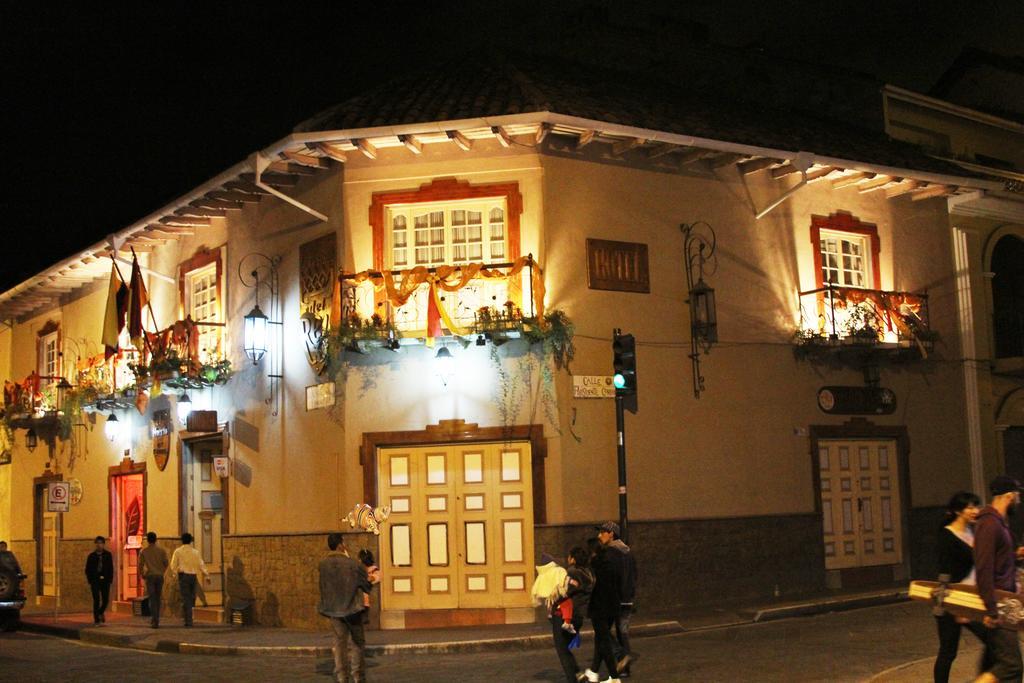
[537, 641]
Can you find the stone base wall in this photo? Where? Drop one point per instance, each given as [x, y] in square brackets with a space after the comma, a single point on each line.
[683, 563]
[280, 573]
[25, 551]
[75, 595]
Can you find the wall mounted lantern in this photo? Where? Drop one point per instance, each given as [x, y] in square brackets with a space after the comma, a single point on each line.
[112, 429]
[184, 407]
[699, 249]
[257, 271]
[62, 392]
[31, 440]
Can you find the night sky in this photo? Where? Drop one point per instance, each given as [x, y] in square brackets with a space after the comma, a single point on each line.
[109, 113]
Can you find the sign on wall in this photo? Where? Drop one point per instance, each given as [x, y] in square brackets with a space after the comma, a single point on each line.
[58, 496]
[222, 466]
[592, 386]
[317, 270]
[76, 491]
[845, 400]
[618, 266]
[161, 438]
[320, 396]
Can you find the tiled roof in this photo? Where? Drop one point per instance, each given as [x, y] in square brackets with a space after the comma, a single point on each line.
[495, 86]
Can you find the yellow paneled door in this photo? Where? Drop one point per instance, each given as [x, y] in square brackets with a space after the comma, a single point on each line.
[860, 503]
[460, 533]
[50, 528]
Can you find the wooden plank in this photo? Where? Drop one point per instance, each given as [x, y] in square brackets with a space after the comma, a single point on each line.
[501, 136]
[694, 155]
[903, 188]
[330, 151]
[306, 160]
[622, 146]
[755, 165]
[245, 186]
[164, 235]
[273, 179]
[542, 132]
[411, 143]
[197, 211]
[186, 221]
[663, 148]
[215, 204]
[725, 159]
[366, 147]
[585, 138]
[822, 173]
[172, 229]
[851, 179]
[784, 170]
[932, 191]
[878, 183]
[234, 197]
[464, 143]
[294, 169]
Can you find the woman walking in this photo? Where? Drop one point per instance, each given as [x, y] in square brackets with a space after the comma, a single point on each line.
[579, 582]
[955, 550]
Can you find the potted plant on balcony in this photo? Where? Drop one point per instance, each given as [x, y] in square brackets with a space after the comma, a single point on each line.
[862, 326]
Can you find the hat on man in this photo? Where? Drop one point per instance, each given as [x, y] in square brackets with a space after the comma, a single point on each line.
[609, 526]
[1003, 484]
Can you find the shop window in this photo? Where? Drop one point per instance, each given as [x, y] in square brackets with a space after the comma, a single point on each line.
[48, 354]
[448, 233]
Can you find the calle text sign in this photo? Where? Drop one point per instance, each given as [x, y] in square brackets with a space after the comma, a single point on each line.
[592, 386]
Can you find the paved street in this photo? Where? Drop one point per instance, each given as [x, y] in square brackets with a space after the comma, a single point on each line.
[849, 646]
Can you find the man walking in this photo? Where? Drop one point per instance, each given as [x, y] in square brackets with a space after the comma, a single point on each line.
[343, 581]
[152, 567]
[99, 572]
[187, 563]
[995, 567]
[620, 556]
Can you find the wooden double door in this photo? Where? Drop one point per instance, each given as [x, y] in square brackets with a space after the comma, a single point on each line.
[460, 533]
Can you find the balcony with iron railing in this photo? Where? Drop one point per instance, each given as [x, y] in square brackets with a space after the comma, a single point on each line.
[863, 324]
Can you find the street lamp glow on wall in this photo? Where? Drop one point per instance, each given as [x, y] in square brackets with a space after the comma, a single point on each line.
[255, 334]
[258, 270]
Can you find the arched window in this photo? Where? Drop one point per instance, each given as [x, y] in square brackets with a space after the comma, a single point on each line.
[1008, 296]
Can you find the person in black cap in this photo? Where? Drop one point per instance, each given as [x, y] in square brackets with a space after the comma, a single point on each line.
[623, 565]
[995, 556]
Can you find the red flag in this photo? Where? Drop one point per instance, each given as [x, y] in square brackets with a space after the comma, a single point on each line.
[114, 314]
[433, 315]
[136, 302]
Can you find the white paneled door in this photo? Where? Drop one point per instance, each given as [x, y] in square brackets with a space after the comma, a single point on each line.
[460, 533]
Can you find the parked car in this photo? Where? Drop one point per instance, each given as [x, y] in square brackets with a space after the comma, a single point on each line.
[12, 598]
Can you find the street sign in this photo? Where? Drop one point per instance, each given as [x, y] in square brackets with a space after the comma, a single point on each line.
[845, 400]
[592, 386]
[58, 496]
[222, 466]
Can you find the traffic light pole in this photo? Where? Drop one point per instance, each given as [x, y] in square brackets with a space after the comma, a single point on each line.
[620, 427]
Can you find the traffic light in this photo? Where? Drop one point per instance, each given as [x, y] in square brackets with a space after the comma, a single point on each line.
[624, 364]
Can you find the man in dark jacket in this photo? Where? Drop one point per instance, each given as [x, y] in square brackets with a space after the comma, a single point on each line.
[605, 603]
[99, 571]
[995, 556]
[625, 566]
[343, 581]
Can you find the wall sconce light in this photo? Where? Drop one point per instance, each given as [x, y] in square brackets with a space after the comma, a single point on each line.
[31, 440]
[184, 407]
[258, 270]
[62, 392]
[445, 364]
[699, 243]
[112, 429]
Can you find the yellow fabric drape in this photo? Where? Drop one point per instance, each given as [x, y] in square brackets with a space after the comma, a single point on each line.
[450, 279]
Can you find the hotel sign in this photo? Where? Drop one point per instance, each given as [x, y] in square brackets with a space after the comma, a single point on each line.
[618, 266]
[317, 270]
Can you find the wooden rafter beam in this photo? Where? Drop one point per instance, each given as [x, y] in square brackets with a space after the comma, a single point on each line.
[542, 132]
[245, 186]
[906, 186]
[294, 169]
[822, 173]
[330, 151]
[693, 156]
[726, 159]
[877, 183]
[784, 170]
[932, 191]
[306, 160]
[622, 146]
[275, 179]
[412, 143]
[661, 149]
[464, 143]
[171, 229]
[502, 136]
[366, 147]
[208, 203]
[186, 221]
[755, 165]
[159, 233]
[585, 138]
[197, 211]
[851, 179]
[243, 197]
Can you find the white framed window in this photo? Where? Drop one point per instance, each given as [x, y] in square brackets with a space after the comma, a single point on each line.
[845, 259]
[447, 233]
[203, 303]
[49, 357]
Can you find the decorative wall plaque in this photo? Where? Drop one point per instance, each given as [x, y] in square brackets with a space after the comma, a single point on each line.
[161, 438]
[618, 266]
[317, 270]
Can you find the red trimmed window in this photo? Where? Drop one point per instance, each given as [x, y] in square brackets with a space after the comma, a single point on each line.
[201, 295]
[845, 251]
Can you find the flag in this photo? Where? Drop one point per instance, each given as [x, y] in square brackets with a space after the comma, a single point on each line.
[335, 320]
[113, 317]
[433, 315]
[137, 301]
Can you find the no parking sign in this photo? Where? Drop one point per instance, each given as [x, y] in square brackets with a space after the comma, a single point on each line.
[58, 496]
